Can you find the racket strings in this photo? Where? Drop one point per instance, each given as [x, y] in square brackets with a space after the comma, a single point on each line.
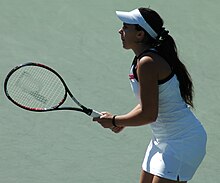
[36, 87]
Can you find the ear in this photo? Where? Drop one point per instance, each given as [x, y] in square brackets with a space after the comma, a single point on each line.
[140, 35]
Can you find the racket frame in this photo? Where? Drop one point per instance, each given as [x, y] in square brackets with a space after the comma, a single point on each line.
[88, 111]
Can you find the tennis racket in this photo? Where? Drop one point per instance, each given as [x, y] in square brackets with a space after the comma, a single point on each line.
[37, 87]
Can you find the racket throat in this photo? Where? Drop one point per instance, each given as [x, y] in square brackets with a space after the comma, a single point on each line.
[86, 110]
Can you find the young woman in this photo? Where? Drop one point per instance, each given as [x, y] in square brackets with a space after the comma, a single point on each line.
[164, 91]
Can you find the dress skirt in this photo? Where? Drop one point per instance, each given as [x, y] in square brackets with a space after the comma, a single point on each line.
[176, 159]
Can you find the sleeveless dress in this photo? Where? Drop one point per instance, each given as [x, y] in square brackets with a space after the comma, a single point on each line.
[178, 143]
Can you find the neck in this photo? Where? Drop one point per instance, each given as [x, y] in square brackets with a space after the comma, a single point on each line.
[140, 49]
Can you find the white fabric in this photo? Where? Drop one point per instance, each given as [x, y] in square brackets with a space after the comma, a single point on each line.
[178, 144]
[135, 17]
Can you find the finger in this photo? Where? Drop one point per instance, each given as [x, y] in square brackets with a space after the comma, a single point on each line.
[117, 129]
[103, 114]
[95, 119]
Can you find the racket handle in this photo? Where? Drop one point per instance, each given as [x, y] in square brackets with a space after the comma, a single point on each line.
[95, 114]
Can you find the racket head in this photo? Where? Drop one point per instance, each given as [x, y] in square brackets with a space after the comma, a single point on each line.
[35, 87]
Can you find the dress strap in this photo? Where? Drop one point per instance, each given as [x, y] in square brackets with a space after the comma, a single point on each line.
[134, 63]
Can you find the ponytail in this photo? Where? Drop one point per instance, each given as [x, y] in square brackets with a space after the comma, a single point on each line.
[168, 50]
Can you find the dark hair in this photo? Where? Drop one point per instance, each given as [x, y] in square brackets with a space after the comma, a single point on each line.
[166, 47]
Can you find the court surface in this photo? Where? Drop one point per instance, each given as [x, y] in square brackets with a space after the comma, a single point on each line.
[79, 39]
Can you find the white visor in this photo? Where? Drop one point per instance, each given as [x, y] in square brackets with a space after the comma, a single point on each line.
[135, 17]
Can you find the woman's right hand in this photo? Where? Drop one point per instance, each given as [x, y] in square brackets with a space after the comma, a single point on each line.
[117, 129]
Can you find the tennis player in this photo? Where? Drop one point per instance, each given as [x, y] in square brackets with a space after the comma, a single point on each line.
[164, 91]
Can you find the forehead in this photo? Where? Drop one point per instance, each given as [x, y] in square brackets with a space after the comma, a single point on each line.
[129, 26]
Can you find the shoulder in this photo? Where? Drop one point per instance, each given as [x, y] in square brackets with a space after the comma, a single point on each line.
[148, 65]
[146, 60]
[154, 65]
[150, 59]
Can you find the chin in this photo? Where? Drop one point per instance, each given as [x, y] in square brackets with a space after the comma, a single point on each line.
[125, 47]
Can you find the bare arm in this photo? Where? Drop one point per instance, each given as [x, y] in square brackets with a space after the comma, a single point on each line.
[148, 109]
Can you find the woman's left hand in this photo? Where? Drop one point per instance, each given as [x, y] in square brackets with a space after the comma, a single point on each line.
[106, 121]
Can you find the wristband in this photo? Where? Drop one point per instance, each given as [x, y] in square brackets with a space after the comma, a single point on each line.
[113, 121]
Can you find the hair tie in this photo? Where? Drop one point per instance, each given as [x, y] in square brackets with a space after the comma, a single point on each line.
[163, 34]
[161, 37]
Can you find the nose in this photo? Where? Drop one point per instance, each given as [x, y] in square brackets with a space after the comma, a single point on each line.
[120, 31]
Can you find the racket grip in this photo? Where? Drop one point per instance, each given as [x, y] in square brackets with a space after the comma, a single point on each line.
[95, 114]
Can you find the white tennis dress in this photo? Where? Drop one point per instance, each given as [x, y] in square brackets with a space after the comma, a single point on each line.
[178, 143]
